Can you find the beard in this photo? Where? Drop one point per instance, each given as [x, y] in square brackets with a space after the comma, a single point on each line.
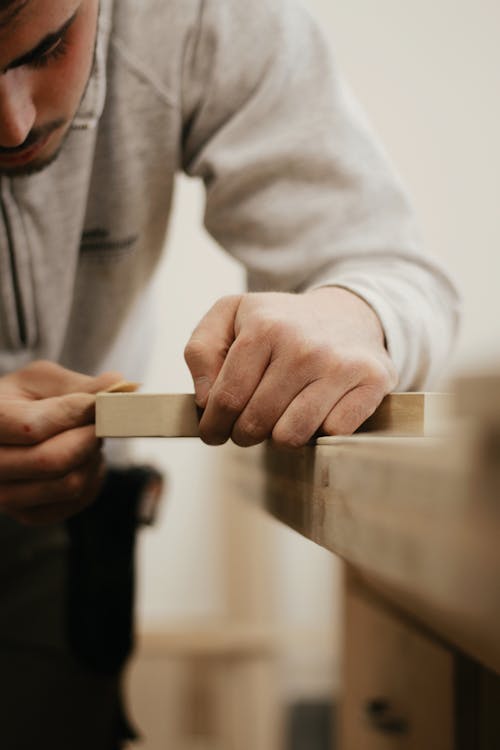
[37, 165]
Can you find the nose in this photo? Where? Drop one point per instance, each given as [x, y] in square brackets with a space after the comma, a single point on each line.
[17, 109]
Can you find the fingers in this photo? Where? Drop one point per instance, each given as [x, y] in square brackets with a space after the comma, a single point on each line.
[52, 458]
[53, 501]
[352, 410]
[24, 422]
[292, 413]
[45, 399]
[43, 379]
[240, 375]
[287, 365]
[316, 409]
[276, 392]
[209, 344]
[304, 415]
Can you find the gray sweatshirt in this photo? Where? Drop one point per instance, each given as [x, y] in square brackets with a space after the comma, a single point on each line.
[244, 95]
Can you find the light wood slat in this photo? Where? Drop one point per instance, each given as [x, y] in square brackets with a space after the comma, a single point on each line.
[175, 415]
[146, 415]
[411, 414]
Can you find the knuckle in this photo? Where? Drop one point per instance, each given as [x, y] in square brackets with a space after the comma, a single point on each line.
[286, 438]
[351, 368]
[227, 401]
[227, 300]
[315, 357]
[322, 351]
[362, 369]
[264, 324]
[194, 351]
[378, 374]
[275, 328]
[304, 355]
[249, 432]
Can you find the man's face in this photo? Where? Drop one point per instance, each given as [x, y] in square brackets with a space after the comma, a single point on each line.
[46, 55]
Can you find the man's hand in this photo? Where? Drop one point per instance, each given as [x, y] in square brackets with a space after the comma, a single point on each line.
[285, 366]
[51, 464]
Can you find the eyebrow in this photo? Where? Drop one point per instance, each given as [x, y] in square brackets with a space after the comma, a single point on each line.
[42, 47]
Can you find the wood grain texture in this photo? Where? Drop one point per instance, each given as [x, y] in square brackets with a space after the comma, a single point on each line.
[175, 415]
[417, 517]
[408, 674]
[146, 415]
[411, 414]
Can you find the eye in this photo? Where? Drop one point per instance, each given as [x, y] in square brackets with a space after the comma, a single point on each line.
[57, 50]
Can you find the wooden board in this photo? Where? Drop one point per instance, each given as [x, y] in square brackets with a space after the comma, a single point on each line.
[146, 415]
[411, 414]
[176, 415]
[417, 517]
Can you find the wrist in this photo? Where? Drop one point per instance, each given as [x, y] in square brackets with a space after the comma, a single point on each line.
[353, 307]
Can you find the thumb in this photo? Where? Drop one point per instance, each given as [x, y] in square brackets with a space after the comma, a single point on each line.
[43, 379]
[103, 382]
[209, 344]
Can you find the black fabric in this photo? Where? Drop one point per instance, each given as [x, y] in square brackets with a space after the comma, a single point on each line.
[101, 584]
[66, 623]
[50, 702]
[101, 573]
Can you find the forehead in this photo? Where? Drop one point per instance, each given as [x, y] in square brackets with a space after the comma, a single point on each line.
[24, 23]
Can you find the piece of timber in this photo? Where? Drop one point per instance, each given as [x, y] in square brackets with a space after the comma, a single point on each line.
[176, 415]
[418, 518]
[146, 415]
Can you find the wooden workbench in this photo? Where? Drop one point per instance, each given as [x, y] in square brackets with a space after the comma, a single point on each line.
[417, 522]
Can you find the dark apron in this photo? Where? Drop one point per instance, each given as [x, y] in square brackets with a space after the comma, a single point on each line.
[66, 623]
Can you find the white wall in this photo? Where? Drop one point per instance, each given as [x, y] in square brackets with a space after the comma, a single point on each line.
[428, 75]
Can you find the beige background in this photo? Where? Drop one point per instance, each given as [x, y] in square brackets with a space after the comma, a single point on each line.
[428, 75]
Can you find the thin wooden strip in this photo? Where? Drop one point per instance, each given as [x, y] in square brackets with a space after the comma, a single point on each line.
[176, 415]
[411, 414]
[146, 415]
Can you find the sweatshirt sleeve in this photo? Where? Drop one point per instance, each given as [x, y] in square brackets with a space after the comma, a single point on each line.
[297, 187]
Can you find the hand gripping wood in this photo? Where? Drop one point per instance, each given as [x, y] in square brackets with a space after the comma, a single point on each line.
[126, 414]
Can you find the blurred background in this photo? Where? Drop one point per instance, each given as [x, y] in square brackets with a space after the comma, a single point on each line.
[239, 618]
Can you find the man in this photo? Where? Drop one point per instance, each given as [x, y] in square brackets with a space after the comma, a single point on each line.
[101, 103]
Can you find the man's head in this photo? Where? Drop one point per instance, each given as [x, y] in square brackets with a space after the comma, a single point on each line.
[46, 54]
